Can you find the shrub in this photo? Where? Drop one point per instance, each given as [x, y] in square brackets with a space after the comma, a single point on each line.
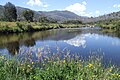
[19, 25]
[117, 26]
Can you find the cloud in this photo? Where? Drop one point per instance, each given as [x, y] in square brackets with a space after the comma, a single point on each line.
[97, 12]
[84, 3]
[36, 3]
[116, 5]
[45, 5]
[79, 8]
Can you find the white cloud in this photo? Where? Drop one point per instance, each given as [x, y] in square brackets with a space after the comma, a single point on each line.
[45, 5]
[79, 8]
[116, 5]
[36, 3]
[97, 12]
[84, 3]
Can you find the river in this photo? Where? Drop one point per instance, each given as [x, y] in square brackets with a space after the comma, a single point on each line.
[81, 41]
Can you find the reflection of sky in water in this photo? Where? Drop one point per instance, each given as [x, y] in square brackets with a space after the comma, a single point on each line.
[4, 51]
[77, 41]
[80, 40]
[89, 35]
[116, 43]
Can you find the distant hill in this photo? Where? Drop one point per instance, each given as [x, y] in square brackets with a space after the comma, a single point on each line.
[114, 15]
[20, 13]
[62, 15]
[56, 15]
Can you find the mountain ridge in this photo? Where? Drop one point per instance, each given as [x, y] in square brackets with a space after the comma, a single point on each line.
[62, 15]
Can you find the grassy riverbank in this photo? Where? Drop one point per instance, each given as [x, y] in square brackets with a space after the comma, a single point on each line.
[111, 24]
[56, 69]
[16, 27]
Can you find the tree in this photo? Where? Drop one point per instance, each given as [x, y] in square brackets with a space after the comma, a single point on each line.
[10, 12]
[72, 22]
[43, 19]
[28, 15]
[117, 26]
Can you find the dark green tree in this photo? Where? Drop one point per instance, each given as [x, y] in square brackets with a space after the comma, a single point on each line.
[10, 12]
[28, 15]
[117, 26]
[43, 19]
[72, 22]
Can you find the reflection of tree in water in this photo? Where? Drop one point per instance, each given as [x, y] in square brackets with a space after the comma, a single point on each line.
[118, 34]
[30, 42]
[13, 47]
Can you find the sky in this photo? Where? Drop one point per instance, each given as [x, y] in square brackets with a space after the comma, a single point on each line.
[88, 8]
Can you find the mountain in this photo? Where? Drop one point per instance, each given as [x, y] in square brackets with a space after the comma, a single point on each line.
[67, 15]
[62, 15]
[20, 12]
[56, 15]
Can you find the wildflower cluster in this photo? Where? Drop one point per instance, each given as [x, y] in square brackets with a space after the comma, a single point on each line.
[47, 68]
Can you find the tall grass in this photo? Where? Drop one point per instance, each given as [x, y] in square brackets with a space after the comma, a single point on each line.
[55, 68]
[14, 27]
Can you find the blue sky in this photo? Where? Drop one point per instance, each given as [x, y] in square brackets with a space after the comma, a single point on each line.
[80, 7]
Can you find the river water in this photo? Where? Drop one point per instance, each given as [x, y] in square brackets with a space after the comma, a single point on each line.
[80, 41]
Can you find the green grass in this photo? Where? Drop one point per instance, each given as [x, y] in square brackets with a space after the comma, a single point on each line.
[112, 24]
[15, 27]
[56, 69]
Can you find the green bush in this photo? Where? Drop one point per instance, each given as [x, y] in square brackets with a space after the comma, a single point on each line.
[19, 25]
[117, 26]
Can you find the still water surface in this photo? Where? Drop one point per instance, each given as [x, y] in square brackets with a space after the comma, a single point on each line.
[75, 41]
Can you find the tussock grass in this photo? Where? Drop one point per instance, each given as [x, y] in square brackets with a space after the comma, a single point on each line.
[14, 27]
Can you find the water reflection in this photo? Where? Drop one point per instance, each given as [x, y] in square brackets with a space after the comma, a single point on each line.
[13, 47]
[76, 40]
[116, 43]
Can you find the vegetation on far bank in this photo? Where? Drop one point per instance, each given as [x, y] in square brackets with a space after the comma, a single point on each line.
[15, 27]
[113, 24]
